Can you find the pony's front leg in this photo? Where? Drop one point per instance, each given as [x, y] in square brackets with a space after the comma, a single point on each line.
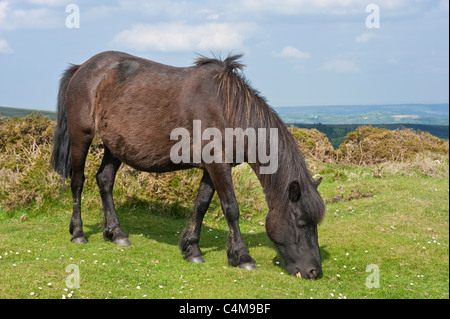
[237, 253]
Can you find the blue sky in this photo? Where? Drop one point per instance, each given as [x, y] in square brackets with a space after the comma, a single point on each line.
[297, 52]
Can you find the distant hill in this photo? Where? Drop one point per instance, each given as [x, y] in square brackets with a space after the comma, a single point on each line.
[432, 114]
[6, 112]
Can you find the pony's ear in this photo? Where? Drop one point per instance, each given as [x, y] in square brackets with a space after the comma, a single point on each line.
[294, 191]
[318, 181]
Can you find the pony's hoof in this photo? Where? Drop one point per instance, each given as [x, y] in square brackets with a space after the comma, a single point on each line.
[195, 260]
[79, 240]
[122, 242]
[248, 266]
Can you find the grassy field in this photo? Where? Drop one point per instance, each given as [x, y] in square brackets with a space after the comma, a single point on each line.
[399, 229]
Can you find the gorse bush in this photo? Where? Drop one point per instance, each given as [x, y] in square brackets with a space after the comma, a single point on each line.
[369, 145]
[313, 144]
[26, 178]
[25, 175]
[20, 137]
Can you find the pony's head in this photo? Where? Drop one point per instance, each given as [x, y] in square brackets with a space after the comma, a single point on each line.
[293, 229]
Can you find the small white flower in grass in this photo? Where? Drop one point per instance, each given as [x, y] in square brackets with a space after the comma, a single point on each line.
[69, 295]
[49, 284]
[138, 287]
[32, 293]
[63, 296]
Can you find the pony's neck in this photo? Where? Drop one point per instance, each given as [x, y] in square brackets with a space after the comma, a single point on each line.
[275, 180]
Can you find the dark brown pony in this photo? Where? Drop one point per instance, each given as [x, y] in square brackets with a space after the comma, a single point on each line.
[134, 104]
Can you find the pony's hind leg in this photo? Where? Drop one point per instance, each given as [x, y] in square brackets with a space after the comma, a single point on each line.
[79, 148]
[105, 180]
[189, 240]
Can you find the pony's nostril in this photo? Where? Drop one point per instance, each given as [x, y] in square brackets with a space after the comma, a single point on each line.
[313, 273]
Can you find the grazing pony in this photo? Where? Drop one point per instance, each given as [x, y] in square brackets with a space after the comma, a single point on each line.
[135, 105]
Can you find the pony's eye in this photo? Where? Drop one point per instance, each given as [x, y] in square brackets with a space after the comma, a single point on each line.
[300, 224]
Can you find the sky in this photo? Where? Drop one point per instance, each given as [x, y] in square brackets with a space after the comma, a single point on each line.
[296, 52]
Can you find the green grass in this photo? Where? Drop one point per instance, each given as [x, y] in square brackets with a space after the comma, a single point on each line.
[403, 229]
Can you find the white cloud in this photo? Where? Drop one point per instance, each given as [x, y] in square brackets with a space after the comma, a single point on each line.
[443, 5]
[184, 37]
[366, 37]
[291, 7]
[50, 3]
[339, 65]
[4, 47]
[291, 53]
[3, 9]
[392, 61]
[39, 18]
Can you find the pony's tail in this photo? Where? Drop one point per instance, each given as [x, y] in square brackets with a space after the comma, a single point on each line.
[61, 159]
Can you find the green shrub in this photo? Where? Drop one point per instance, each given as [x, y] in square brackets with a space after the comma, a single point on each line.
[369, 145]
[26, 178]
[313, 144]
